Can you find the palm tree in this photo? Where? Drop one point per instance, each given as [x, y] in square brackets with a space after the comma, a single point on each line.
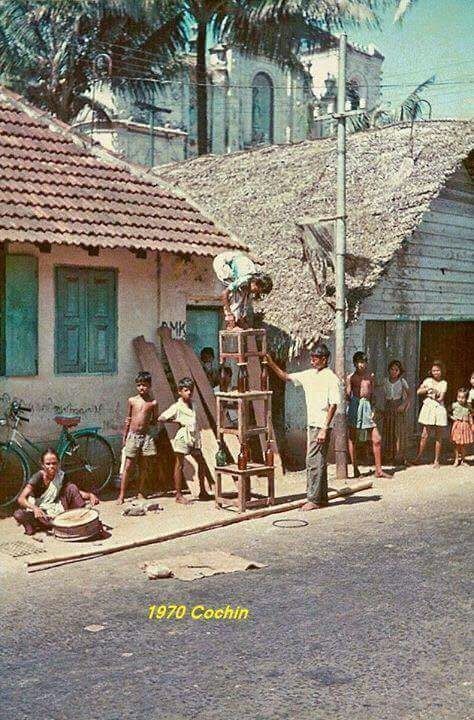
[410, 109]
[49, 48]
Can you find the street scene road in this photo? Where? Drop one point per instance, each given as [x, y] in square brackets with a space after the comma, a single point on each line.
[364, 613]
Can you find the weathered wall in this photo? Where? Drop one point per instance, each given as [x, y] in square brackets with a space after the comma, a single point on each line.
[433, 277]
[99, 398]
[364, 65]
[135, 144]
[185, 281]
[229, 108]
[148, 293]
[290, 116]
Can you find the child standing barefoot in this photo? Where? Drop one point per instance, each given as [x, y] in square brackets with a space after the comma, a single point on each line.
[360, 416]
[139, 446]
[187, 440]
[462, 429]
[433, 415]
[397, 402]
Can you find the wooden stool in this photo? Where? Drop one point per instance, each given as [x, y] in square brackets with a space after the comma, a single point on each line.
[242, 400]
[244, 491]
[235, 344]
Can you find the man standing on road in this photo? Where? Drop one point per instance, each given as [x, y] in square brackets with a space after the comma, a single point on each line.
[321, 390]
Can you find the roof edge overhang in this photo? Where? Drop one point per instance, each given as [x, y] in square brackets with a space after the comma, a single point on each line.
[175, 247]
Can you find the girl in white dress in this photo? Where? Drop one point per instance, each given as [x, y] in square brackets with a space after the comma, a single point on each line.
[433, 415]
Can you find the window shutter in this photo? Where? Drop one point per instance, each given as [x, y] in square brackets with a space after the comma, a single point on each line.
[71, 320]
[102, 330]
[21, 315]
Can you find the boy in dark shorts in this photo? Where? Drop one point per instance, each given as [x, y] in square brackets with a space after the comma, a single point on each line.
[139, 445]
[360, 386]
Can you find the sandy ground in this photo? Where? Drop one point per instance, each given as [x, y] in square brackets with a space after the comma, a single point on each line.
[176, 517]
[364, 614]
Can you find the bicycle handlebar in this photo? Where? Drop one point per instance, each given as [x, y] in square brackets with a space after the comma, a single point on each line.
[16, 408]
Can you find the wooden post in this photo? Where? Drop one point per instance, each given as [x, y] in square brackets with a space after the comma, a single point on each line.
[340, 429]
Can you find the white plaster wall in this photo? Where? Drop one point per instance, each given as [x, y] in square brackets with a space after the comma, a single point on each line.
[290, 118]
[185, 280]
[228, 106]
[149, 295]
[136, 147]
[101, 399]
[362, 66]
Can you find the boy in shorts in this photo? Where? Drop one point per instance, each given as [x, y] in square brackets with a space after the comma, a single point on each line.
[187, 440]
[138, 444]
[360, 386]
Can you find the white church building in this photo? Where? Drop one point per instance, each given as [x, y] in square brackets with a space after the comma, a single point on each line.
[252, 101]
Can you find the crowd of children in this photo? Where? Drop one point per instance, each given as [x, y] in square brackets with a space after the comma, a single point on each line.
[391, 444]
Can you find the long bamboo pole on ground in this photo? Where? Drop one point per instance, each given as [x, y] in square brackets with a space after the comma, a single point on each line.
[51, 562]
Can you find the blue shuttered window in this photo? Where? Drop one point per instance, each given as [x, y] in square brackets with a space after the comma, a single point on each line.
[86, 320]
[19, 315]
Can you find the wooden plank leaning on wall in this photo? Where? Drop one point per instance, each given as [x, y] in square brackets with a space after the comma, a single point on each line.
[148, 358]
[180, 368]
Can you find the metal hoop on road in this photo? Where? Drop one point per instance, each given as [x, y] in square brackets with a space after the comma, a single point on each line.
[290, 523]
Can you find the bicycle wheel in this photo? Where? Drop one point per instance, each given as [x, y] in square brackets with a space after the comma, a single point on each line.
[14, 473]
[88, 461]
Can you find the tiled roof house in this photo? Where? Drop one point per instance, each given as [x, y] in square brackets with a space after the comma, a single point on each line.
[93, 252]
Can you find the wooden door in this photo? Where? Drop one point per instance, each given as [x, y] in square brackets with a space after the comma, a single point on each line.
[202, 328]
[387, 340]
[452, 343]
[401, 338]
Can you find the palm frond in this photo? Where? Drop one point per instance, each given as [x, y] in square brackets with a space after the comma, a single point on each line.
[402, 8]
[48, 47]
[410, 108]
[101, 111]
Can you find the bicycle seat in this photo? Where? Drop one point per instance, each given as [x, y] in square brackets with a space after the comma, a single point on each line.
[67, 421]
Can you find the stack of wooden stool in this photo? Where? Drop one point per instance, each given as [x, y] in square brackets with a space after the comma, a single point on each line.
[242, 345]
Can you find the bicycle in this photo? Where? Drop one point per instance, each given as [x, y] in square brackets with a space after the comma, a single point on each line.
[85, 456]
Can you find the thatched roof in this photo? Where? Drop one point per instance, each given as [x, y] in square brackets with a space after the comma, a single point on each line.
[392, 176]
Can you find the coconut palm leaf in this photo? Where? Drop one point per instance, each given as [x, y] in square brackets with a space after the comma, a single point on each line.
[411, 107]
[402, 8]
[48, 47]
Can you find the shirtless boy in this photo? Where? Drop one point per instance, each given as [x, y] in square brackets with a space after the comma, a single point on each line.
[360, 387]
[139, 446]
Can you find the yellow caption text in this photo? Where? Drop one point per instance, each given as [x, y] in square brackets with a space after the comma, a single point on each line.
[197, 612]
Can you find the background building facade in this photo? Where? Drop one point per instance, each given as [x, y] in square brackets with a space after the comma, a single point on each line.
[252, 101]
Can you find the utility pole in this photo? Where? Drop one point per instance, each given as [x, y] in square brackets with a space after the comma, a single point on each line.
[152, 110]
[340, 252]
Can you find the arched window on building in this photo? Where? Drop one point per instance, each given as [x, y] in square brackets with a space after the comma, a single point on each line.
[353, 93]
[262, 109]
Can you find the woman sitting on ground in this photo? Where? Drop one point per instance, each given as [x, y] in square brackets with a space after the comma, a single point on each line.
[46, 495]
